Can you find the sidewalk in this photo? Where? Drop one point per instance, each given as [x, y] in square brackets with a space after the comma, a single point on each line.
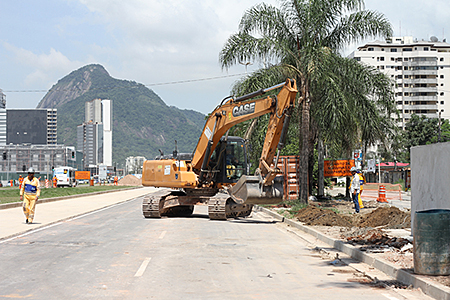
[429, 287]
[12, 220]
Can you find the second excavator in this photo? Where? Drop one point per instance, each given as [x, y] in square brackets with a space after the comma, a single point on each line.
[217, 172]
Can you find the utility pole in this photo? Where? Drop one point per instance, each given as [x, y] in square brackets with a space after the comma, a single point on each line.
[379, 170]
[320, 191]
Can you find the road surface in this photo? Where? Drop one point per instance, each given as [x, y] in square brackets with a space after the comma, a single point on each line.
[115, 253]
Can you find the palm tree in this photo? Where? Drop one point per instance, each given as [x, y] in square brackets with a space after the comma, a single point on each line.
[302, 40]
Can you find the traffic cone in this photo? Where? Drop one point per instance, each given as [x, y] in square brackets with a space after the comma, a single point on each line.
[382, 194]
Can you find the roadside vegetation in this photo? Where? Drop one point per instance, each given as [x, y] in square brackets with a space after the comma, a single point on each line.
[11, 194]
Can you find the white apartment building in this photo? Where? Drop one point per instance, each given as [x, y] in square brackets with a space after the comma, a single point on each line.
[420, 71]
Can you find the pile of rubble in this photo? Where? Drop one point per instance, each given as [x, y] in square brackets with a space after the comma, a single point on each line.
[375, 240]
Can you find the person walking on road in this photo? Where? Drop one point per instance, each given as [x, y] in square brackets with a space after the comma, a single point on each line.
[354, 188]
[20, 181]
[362, 181]
[29, 194]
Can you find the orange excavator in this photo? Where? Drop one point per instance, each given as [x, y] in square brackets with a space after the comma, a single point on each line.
[217, 172]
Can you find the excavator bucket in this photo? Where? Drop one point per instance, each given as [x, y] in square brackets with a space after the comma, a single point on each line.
[251, 190]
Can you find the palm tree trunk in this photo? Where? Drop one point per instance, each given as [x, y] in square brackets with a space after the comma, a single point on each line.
[304, 145]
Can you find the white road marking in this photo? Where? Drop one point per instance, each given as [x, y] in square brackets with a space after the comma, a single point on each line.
[142, 267]
[162, 234]
[390, 297]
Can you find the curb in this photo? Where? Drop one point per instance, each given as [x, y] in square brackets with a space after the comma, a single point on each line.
[433, 289]
[46, 200]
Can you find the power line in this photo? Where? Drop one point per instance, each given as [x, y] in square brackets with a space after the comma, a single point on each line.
[148, 85]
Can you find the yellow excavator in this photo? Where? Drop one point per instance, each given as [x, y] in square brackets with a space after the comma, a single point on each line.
[217, 172]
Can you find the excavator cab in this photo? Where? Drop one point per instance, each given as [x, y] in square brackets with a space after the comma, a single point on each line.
[229, 160]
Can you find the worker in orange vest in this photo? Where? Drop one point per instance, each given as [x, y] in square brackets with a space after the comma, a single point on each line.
[115, 180]
[55, 180]
[20, 181]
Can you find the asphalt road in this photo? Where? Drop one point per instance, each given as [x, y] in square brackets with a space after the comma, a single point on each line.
[115, 253]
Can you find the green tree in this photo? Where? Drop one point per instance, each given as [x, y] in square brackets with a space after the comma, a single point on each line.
[420, 130]
[301, 40]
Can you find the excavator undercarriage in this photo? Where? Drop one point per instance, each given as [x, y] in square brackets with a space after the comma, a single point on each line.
[179, 204]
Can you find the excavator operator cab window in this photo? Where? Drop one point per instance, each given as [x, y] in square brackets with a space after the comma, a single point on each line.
[229, 161]
[235, 162]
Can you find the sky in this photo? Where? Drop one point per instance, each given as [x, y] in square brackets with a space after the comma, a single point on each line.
[153, 42]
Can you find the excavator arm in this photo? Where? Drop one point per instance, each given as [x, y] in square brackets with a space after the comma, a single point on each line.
[240, 109]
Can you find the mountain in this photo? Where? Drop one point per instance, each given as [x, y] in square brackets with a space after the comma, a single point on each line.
[142, 122]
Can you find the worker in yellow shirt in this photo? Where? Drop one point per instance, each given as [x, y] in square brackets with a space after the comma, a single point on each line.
[29, 194]
[362, 181]
[20, 181]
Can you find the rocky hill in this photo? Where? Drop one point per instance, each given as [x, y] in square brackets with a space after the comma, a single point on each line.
[142, 122]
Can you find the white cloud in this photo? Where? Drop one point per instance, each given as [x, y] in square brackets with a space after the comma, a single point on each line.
[164, 41]
[42, 67]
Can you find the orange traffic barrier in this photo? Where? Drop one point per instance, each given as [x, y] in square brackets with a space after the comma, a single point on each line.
[382, 194]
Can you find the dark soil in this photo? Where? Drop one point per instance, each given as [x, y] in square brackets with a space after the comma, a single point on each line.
[384, 216]
[389, 217]
[312, 215]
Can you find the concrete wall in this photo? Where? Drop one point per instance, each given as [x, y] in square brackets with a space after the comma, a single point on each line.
[430, 174]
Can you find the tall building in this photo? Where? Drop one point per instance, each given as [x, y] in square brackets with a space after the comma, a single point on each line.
[31, 126]
[107, 132]
[93, 111]
[420, 71]
[90, 142]
[2, 118]
[94, 136]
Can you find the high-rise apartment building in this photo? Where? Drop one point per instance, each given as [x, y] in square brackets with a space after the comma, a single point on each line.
[420, 71]
[94, 136]
[31, 126]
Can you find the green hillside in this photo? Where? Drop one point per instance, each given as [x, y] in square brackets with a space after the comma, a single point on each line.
[142, 122]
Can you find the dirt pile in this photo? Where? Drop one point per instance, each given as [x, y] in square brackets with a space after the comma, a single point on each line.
[388, 217]
[385, 217]
[312, 215]
[130, 180]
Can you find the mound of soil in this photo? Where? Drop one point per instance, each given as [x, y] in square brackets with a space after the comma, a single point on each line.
[390, 217]
[385, 216]
[312, 215]
[130, 180]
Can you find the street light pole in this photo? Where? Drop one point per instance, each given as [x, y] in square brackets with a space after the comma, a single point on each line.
[379, 170]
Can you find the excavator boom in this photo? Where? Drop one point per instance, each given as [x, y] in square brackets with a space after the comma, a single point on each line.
[238, 110]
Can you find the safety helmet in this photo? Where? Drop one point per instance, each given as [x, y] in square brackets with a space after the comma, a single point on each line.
[31, 171]
[353, 169]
